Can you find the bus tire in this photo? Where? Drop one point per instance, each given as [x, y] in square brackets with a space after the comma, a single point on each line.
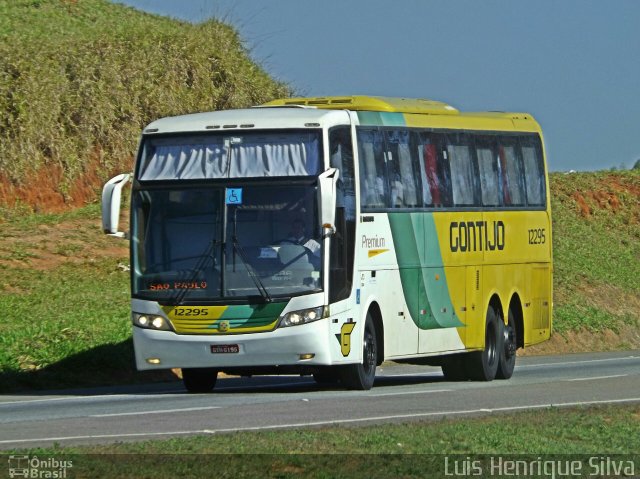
[326, 376]
[199, 380]
[507, 359]
[361, 376]
[453, 368]
[483, 365]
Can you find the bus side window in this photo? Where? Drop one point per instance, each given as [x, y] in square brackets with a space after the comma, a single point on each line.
[488, 169]
[342, 249]
[427, 165]
[463, 173]
[400, 167]
[373, 177]
[533, 173]
[342, 158]
[434, 170]
[512, 177]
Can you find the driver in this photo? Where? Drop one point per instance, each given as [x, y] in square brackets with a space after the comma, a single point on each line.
[297, 235]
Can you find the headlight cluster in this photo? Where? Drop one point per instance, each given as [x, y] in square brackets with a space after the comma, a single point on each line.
[150, 321]
[304, 316]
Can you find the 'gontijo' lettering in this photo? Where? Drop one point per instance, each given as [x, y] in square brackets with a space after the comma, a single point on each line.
[467, 236]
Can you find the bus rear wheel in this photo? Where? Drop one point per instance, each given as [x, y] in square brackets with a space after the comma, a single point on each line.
[361, 376]
[507, 359]
[483, 365]
[199, 380]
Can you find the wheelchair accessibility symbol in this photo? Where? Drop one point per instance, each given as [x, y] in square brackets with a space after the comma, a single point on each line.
[233, 196]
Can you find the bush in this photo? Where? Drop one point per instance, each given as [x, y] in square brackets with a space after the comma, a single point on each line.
[79, 80]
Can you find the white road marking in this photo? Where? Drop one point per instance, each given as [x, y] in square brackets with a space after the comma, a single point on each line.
[408, 392]
[141, 413]
[319, 423]
[564, 363]
[599, 377]
[411, 375]
[159, 394]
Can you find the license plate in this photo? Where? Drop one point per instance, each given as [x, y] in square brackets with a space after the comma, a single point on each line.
[225, 348]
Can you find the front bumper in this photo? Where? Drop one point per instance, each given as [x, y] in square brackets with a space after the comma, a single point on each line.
[281, 347]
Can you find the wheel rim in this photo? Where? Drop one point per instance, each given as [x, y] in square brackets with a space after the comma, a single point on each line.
[369, 352]
[509, 341]
[490, 341]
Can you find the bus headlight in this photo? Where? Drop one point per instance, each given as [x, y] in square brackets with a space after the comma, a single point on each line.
[150, 321]
[304, 316]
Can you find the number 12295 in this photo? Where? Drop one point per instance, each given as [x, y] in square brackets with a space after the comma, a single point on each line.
[537, 236]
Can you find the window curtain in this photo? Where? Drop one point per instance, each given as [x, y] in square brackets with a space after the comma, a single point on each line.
[534, 177]
[488, 177]
[246, 157]
[461, 174]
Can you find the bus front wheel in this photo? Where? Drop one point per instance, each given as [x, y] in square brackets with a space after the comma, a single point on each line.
[326, 376]
[361, 376]
[199, 380]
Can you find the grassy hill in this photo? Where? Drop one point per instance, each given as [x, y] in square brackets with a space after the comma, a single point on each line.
[64, 287]
[596, 247]
[79, 80]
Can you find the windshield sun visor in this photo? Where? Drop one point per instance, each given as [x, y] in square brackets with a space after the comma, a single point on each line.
[244, 155]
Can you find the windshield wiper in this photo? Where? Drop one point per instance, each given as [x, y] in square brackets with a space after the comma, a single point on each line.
[203, 260]
[237, 247]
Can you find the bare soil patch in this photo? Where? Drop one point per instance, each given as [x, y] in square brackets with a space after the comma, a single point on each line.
[49, 190]
[45, 247]
[626, 336]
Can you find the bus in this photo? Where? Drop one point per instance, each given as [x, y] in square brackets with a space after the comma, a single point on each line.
[323, 236]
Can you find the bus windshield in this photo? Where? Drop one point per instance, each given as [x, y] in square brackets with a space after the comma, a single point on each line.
[190, 244]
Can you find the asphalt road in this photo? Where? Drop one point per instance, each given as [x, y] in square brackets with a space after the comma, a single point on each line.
[401, 393]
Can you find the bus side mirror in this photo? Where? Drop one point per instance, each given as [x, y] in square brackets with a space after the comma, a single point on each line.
[327, 189]
[111, 197]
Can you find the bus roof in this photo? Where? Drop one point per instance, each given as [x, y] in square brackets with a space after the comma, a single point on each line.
[321, 111]
[246, 119]
[371, 103]
[419, 106]
[415, 112]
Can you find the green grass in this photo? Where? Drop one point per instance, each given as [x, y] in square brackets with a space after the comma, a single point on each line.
[398, 450]
[596, 228]
[61, 312]
[65, 305]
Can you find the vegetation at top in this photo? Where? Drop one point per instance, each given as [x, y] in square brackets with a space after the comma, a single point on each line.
[80, 79]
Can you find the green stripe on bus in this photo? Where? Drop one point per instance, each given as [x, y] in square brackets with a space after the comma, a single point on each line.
[255, 315]
[377, 118]
[425, 289]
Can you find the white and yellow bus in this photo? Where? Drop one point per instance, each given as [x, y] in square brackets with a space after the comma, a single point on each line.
[326, 235]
